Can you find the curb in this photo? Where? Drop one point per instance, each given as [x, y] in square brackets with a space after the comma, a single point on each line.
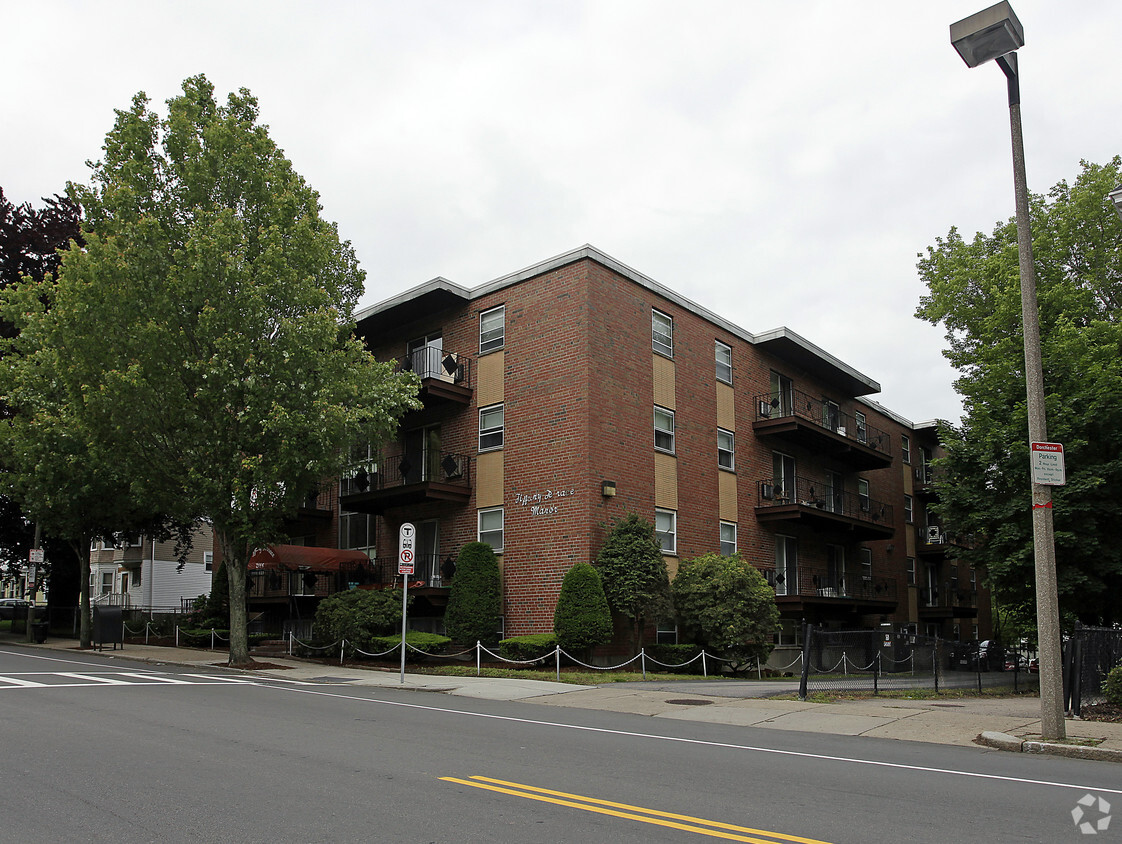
[1004, 741]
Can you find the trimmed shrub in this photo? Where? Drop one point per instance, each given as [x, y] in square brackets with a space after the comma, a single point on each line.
[672, 658]
[634, 574]
[1112, 686]
[582, 619]
[534, 646]
[359, 616]
[475, 599]
[430, 643]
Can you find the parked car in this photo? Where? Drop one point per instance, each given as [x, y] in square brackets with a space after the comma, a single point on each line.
[13, 608]
[986, 655]
[1034, 665]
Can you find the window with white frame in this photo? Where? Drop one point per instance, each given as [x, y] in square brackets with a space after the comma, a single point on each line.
[724, 362]
[910, 567]
[662, 333]
[667, 632]
[664, 429]
[726, 449]
[786, 579]
[491, 427]
[867, 565]
[208, 561]
[909, 514]
[728, 539]
[492, 329]
[863, 495]
[906, 447]
[666, 530]
[491, 527]
[356, 530]
[861, 426]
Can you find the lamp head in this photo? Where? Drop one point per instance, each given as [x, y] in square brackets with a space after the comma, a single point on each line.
[988, 34]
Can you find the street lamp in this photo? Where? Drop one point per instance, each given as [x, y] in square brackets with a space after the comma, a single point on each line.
[995, 33]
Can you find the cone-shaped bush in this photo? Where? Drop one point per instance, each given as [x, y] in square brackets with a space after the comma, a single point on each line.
[582, 619]
[475, 599]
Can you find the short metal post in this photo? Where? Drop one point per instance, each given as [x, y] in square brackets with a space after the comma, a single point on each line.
[643, 661]
[557, 657]
[704, 668]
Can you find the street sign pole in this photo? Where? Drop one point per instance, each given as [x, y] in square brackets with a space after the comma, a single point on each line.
[405, 539]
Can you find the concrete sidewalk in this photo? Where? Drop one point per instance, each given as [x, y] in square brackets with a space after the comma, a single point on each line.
[1002, 723]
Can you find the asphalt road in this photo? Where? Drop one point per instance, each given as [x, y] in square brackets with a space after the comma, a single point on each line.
[104, 750]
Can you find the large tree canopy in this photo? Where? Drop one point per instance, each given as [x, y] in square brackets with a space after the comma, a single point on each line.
[207, 326]
[974, 291]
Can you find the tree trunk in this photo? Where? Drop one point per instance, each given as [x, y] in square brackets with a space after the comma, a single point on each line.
[85, 624]
[236, 560]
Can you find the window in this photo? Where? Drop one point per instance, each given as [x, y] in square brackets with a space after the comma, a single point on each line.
[666, 530]
[783, 474]
[492, 329]
[973, 580]
[863, 495]
[906, 447]
[664, 429]
[726, 449]
[724, 362]
[859, 424]
[666, 632]
[106, 582]
[491, 527]
[782, 396]
[137, 575]
[909, 515]
[662, 333]
[728, 539]
[356, 530]
[491, 427]
[910, 565]
[867, 565]
[208, 561]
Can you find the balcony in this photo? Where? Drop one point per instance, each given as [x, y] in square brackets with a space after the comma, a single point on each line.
[314, 512]
[936, 542]
[831, 587]
[445, 376]
[925, 479]
[822, 427]
[814, 504]
[948, 600]
[403, 478]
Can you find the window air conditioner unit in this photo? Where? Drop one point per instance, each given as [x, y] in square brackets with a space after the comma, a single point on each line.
[841, 430]
[934, 535]
[765, 409]
[767, 491]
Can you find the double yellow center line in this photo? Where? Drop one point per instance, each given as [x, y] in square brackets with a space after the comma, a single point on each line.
[714, 829]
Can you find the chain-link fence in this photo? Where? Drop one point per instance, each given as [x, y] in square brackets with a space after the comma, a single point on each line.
[1089, 654]
[892, 660]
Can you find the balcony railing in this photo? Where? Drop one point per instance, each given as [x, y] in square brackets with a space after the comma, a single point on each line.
[949, 594]
[824, 414]
[443, 374]
[405, 477]
[798, 498]
[934, 539]
[847, 582]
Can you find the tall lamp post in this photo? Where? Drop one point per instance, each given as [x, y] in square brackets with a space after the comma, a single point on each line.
[995, 33]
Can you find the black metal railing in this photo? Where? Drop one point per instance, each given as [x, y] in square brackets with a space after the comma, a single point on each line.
[403, 468]
[947, 595]
[823, 413]
[934, 537]
[438, 364]
[820, 495]
[848, 581]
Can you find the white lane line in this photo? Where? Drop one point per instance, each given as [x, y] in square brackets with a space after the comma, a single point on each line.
[153, 679]
[15, 681]
[93, 679]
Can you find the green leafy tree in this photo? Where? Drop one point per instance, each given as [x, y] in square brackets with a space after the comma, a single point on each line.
[984, 489]
[582, 619]
[634, 573]
[207, 326]
[475, 599]
[358, 615]
[726, 605]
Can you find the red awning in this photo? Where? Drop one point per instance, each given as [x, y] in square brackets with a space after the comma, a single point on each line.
[304, 558]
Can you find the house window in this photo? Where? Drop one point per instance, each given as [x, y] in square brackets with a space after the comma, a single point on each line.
[863, 495]
[909, 515]
[724, 362]
[106, 582]
[137, 575]
[666, 632]
[492, 329]
[973, 580]
[662, 333]
[906, 447]
[782, 396]
[728, 539]
[491, 427]
[491, 528]
[666, 530]
[783, 474]
[356, 530]
[664, 429]
[910, 566]
[726, 449]
[859, 424]
[867, 565]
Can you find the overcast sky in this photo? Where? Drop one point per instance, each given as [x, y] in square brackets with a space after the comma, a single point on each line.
[777, 163]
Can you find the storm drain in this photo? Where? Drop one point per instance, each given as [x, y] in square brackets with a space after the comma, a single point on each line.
[685, 701]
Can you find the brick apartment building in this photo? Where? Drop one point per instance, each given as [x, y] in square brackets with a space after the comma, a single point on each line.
[566, 395]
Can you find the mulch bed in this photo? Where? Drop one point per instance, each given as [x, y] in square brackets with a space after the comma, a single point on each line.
[1102, 712]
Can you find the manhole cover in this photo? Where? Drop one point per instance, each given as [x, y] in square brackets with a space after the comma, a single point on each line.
[689, 702]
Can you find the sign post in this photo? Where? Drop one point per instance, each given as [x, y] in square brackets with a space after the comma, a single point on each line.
[406, 536]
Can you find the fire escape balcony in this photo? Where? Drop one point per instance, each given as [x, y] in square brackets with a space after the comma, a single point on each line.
[820, 426]
[936, 542]
[814, 504]
[445, 376]
[803, 585]
[402, 478]
[948, 600]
